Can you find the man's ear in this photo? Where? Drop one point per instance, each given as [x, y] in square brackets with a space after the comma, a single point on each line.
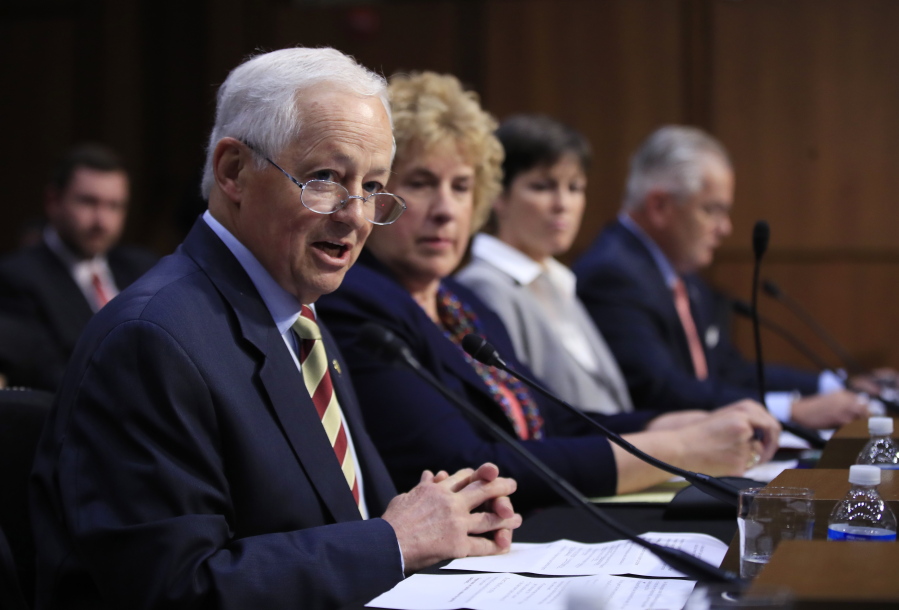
[659, 206]
[230, 159]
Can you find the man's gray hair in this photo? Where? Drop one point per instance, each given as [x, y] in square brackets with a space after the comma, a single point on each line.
[671, 159]
[259, 103]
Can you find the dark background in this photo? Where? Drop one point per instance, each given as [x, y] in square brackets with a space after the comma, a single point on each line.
[803, 92]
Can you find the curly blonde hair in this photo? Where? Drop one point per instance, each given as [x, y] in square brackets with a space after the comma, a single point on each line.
[430, 109]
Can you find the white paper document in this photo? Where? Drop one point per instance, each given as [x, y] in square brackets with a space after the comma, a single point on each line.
[790, 441]
[568, 558]
[767, 471]
[502, 591]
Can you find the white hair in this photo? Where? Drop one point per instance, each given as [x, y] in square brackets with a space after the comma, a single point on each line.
[260, 101]
[672, 159]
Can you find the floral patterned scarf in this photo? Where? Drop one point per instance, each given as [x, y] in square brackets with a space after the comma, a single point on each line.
[512, 395]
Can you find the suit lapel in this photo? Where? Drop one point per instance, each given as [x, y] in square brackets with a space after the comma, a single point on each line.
[704, 316]
[650, 273]
[452, 358]
[446, 359]
[646, 269]
[66, 306]
[304, 431]
[378, 486]
[415, 323]
[282, 381]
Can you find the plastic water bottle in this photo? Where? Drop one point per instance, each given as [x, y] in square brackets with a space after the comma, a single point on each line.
[862, 514]
[881, 451]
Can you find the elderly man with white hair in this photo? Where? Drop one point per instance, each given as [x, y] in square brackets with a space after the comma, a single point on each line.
[206, 449]
[640, 285]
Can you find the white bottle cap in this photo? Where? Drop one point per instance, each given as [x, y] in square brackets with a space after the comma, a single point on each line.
[880, 426]
[862, 474]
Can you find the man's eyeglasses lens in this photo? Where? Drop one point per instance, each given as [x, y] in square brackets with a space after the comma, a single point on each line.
[326, 197]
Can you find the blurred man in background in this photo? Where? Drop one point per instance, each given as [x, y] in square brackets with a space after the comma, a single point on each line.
[50, 290]
[639, 282]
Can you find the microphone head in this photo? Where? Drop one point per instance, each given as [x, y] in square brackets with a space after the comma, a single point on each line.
[742, 308]
[380, 342]
[761, 233]
[771, 289]
[478, 348]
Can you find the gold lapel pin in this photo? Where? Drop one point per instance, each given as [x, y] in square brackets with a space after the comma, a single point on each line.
[336, 366]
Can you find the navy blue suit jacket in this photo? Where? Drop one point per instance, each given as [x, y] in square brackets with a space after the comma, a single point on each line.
[184, 464]
[626, 295]
[415, 427]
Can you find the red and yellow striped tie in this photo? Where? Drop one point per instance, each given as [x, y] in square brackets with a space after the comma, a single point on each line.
[314, 364]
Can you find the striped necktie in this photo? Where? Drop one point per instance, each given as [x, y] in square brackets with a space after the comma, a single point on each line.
[314, 364]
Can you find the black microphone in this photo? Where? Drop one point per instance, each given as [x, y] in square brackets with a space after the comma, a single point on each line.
[478, 348]
[745, 309]
[773, 290]
[383, 343]
[761, 233]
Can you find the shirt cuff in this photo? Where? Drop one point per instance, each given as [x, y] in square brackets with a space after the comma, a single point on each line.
[402, 560]
[831, 381]
[780, 404]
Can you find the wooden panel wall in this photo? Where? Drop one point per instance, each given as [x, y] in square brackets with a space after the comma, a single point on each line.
[615, 70]
[802, 92]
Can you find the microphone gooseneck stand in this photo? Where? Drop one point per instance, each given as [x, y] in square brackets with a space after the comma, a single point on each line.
[760, 236]
[745, 309]
[851, 364]
[761, 233]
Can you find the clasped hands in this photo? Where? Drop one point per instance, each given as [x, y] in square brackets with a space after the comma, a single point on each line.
[445, 516]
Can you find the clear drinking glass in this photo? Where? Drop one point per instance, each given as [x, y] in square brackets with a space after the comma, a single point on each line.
[768, 515]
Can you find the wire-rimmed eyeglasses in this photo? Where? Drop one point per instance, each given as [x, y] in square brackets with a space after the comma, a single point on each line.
[326, 197]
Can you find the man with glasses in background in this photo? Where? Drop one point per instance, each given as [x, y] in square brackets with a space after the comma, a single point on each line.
[207, 448]
[640, 284]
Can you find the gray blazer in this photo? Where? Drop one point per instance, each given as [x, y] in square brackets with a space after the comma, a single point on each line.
[537, 345]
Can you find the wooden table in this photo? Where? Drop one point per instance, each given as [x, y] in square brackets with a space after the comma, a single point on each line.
[824, 574]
